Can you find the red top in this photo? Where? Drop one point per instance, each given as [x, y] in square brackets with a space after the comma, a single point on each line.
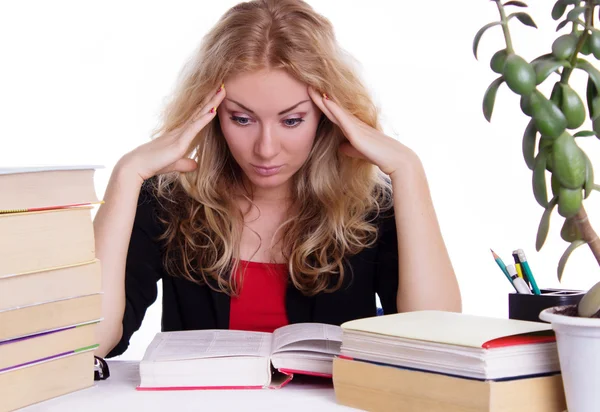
[260, 306]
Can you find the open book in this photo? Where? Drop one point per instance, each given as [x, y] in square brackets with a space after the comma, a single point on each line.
[457, 344]
[232, 359]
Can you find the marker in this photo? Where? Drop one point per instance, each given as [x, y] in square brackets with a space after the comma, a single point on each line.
[503, 268]
[528, 272]
[518, 282]
[518, 266]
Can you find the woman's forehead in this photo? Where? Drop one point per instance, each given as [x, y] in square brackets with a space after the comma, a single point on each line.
[266, 91]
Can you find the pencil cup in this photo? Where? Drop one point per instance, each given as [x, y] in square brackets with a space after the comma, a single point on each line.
[528, 307]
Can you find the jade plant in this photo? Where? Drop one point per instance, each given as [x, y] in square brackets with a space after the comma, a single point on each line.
[549, 141]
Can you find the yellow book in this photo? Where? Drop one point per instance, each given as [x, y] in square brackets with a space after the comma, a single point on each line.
[379, 388]
[39, 187]
[24, 289]
[47, 316]
[34, 241]
[42, 381]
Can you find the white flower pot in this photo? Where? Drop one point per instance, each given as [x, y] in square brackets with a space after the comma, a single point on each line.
[578, 341]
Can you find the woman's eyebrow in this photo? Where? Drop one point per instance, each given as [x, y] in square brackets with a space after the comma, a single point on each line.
[279, 114]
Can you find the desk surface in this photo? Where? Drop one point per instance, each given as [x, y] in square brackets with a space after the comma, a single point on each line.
[118, 393]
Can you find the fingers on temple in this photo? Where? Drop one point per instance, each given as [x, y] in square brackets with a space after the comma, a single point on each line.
[318, 99]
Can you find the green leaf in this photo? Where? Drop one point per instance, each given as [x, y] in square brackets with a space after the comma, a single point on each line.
[529, 138]
[591, 96]
[591, 71]
[585, 133]
[538, 180]
[489, 98]
[562, 24]
[558, 10]
[574, 14]
[523, 18]
[515, 3]
[563, 260]
[542, 57]
[544, 225]
[479, 34]
[589, 176]
[543, 68]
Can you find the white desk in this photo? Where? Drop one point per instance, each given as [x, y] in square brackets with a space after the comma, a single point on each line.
[118, 393]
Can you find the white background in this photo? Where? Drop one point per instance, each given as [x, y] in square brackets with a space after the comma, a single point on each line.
[83, 82]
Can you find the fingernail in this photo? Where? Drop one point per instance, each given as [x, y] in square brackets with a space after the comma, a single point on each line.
[325, 96]
[214, 109]
[221, 87]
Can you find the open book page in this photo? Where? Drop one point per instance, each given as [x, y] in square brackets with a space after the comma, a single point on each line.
[196, 344]
[311, 337]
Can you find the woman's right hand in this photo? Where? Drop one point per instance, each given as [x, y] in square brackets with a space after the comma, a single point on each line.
[167, 153]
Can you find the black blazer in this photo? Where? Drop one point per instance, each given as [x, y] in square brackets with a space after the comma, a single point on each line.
[188, 306]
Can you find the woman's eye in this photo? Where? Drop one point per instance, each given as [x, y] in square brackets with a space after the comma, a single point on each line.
[292, 122]
[245, 121]
[242, 121]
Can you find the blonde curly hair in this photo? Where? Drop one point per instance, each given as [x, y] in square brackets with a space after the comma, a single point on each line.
[337, 198]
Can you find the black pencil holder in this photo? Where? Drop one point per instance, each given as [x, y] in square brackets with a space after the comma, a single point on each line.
[528, 307]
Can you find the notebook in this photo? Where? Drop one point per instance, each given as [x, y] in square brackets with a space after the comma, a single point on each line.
[456, 344]
[232, 359]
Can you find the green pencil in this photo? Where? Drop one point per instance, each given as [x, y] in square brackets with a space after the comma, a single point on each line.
[503, 267]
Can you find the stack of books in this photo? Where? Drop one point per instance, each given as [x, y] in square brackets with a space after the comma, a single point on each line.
[448, 362]
[50, 283]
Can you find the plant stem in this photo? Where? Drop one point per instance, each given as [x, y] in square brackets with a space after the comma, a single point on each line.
[588, 233]
[589, 23]
[504, 21]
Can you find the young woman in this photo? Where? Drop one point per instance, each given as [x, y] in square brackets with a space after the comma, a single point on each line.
[269, 195]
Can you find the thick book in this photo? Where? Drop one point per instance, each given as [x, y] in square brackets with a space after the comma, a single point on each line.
[381, 388]
[34, 241]
[43, 187]
[28, 288]
[19, 352]
[232, 359]
[47, 316]
[455, 344]
[47, 379]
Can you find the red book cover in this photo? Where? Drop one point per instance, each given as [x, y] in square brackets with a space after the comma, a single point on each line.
[522, 339]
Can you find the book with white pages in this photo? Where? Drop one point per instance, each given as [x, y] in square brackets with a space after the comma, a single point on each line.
[233, 359]
[456, 344]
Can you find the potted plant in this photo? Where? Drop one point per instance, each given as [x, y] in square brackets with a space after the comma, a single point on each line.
[551, 152]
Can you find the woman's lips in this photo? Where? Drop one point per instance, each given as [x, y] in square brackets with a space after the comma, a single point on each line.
[266, 170]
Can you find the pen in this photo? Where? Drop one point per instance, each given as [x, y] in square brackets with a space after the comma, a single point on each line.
[528, 272]
[518, 266]
[518, 282]
[503, 268]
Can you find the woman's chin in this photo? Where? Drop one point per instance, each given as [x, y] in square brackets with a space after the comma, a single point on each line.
[269, 182]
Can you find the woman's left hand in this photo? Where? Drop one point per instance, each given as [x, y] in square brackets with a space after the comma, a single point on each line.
[364, 141]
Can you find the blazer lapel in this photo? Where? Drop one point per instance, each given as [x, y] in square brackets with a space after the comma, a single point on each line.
[299, 307]
[221, 302]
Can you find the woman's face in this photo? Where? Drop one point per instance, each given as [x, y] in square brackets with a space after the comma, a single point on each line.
[269, 122]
